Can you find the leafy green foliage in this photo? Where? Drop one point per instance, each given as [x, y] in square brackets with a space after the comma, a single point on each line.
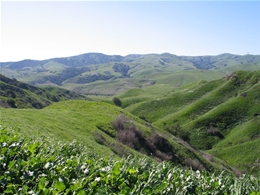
[41, 167]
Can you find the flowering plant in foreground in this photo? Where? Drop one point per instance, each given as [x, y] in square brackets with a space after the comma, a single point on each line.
[42, 167]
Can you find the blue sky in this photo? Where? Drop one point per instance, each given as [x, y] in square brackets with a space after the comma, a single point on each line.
[41, 30]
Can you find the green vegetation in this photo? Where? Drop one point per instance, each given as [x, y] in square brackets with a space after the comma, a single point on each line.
[209, 115]
[92, 124]
[241, 146]
[30, 166]
[99, 74]
[131, 132]
[68, 120]
[16, 94]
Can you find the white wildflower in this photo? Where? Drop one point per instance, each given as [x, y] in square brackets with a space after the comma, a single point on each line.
[31, 192]
[83, 167]
[13, 145]
[169, 176]
[188, 178]
[97, 179]
[47, 165]
[85, 171]
[30, 173]
[105, 169]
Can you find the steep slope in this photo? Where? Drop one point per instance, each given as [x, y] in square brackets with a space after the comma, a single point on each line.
[106, 129]
[96, 73]
[241, 146]
[210, 115]
[16, 94]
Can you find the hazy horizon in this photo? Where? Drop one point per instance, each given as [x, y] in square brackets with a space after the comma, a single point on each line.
[123, 55]
[44, 30]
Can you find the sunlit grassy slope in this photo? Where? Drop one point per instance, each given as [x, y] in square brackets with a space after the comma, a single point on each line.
[89, 123]
[215, 115]
[68, 120]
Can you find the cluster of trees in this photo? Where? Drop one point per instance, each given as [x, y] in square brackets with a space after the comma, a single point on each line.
[64, 75]
[92, 78]
[122, 68]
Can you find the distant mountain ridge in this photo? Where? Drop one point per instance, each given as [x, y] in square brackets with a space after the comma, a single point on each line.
[81, 73]
[200, 62]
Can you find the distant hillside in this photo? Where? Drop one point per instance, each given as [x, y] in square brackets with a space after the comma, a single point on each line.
[100, 74]
[16, 94]
[222, 116]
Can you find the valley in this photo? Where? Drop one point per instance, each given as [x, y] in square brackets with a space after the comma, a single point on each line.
[196, 113]
[100, 74]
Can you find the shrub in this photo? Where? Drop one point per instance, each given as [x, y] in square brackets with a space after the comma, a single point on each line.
[10, 93]
[208, 157]
[120, 122]
[117, 101]
[177, 131]
[11, 103]
[194, 164]
[131, 137]
[100, 139]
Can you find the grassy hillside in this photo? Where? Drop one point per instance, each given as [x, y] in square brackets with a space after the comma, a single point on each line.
[107, 130]
[16, 94]
[40, 166]
[243, 140]
[99, 74]
[208, 115]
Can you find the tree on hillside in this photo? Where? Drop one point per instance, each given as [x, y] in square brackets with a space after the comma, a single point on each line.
[117, 101]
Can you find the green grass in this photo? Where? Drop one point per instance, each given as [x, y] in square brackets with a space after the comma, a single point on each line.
[245, 132]
[89, 123]
[243, 156]
[163, 107]
[229, 106]
[39, 166]
[241, 146]
[72, 120]
[65, 121]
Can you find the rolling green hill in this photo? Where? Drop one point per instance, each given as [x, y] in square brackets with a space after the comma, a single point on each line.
[221, 115]
[41, 166]
[17, 94]
[107, 130]
[99, 74]
[186, 110]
